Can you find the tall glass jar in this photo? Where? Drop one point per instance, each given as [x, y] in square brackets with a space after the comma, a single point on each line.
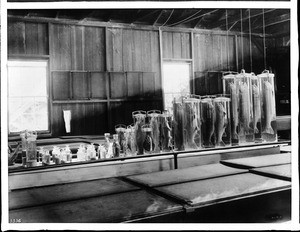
[256, 106]
[30, 145]
[192, 123]
[268, 109]
[208, 118]
[131, 148]
[120, 130]
[230, 87]
[245, 125]
[148, 143]
[153, 119]
[178, 113]
[165, 122]
[222, 122]
[139, 118]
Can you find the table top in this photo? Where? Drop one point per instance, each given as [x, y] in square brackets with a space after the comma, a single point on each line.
[64, 192]
[118, 207]
[155, 179]
[259, 161]
[203, 192]
[279, 171]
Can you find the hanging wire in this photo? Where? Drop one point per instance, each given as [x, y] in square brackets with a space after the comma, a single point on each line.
[184, 20]
[227, 46]
[168, 18]
[196, 17]
[242, 44]
[250, 47]
[264, 39]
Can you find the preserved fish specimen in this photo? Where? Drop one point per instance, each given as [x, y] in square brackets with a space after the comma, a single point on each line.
[120, 130]
[192, 132]
[165, 131]
[244, 109]
[208, 121]
[178, 125]
[222, 122]
[230, 87]
[154, 124]
[256, 104]
[148, 144]
[246, 118]
[268, 109]
[139, 121]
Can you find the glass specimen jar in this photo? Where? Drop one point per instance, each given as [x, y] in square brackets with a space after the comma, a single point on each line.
[153, 119]
[222, 121]
[120, 130]
[268, 107]
[208, 119]
[230, 87]
[178, 113]
[165, 122]
[192, 123]
[245, 124]
[139, 118]
[256, 106]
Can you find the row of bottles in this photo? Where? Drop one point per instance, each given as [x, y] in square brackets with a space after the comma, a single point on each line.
[252, 106]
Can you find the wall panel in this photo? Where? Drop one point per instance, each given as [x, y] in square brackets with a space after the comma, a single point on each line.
[29, 38]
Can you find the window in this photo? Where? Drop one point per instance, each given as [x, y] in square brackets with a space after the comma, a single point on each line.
[176, 81]
[27, 96]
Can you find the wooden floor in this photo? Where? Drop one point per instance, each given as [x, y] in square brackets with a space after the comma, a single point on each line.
[207, 193]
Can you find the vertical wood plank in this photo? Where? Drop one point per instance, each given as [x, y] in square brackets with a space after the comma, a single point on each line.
[155, 61]
[127, 50]
[146, 51]
[137, 48]
[176, 45]
[31, 38]
[16, 37]
[43, 39]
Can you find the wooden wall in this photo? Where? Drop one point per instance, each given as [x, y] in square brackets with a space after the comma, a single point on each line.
[103, 73]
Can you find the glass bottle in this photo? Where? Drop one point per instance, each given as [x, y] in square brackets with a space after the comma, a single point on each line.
[178, 116]
[208, 119]
[139, 120]
[153, 119]
[245, 125]
[222, 121]
[116, 146]
[268, 106]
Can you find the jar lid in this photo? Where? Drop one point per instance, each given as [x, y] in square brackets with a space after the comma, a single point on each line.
[222, 99]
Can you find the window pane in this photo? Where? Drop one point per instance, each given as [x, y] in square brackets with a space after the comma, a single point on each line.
[28, 100]
[176, 81]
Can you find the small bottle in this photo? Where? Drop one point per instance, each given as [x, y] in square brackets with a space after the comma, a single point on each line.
[102, 152]
[116, 146]
[68, 154]
[46, 158]
[93, 152]
[41, 156]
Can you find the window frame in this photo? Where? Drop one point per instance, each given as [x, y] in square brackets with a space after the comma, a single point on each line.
[191, 78]
[41, 133]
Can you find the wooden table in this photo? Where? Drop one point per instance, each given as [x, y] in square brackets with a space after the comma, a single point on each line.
[259, 161]
[156, 179]
[279, 171]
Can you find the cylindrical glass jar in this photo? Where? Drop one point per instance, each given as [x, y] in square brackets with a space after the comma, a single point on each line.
[139, 118]
[153, 119]
[148, 144]
[192, 123]
[256, 106]
[222, 122]
[268, 109]
[245, 125]
[120, 130]
[165, 122]
[208, 119]
[31, 152]
[230, 87]
[178, 115]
